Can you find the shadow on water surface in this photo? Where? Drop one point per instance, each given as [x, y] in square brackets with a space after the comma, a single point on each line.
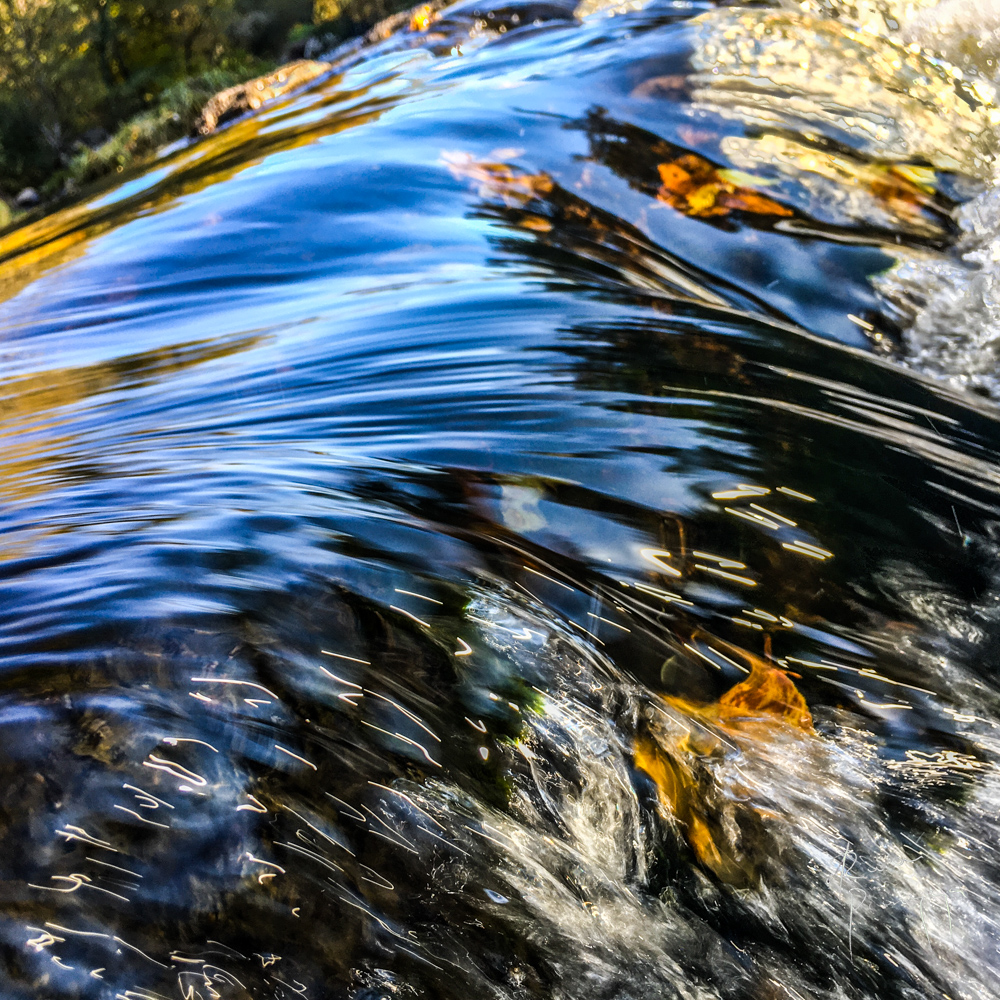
[459, 541]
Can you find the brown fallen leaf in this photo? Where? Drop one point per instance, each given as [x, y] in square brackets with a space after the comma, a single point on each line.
[422, 17]
[906, 190]
[658, 85]
[536, 223]
[763, 708]
[694, 187]
[876, 193]
[251, 95]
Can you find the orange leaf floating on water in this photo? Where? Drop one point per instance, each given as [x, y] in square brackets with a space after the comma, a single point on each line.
[536, 223]
[422, 18]
[694, 187]
[675, 179]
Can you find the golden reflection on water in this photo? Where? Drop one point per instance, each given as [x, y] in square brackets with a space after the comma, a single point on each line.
[893, 196]
[944, 29]
[42, 444]
[790, 69]
[28, 252]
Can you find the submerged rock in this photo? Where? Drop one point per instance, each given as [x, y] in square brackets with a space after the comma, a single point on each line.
[249, 96]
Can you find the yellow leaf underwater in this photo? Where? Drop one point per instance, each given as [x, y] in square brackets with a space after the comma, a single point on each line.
[694, 187]
[766, 694]
[678, 789]
[760, 711]
[767, 697]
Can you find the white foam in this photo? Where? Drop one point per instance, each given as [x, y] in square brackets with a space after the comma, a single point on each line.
[953, 301]
[949, 300]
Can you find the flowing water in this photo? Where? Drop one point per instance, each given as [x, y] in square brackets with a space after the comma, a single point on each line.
[520, 518]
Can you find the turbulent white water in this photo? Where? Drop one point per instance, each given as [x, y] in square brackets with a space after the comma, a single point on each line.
[398, 483]
[952, 301]
[900, 81]
[949, 302]
[570, 863]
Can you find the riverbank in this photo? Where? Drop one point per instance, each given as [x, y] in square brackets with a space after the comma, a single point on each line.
[51, 149]
[135, 141]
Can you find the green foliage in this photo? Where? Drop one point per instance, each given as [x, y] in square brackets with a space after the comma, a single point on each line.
[336, 20]
[73, 70]
[73, 67]
[264, 28]
[141, 46]
[25, 148]
[170, 119]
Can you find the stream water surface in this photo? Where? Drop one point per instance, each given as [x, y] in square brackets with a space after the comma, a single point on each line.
[519, 518]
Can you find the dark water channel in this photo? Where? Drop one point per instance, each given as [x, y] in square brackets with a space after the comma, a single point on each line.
[389, 481]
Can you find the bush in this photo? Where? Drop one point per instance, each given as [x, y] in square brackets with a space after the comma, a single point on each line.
[68, 67]
[173, 117]
[25, 149]
[263, 28]
[79, 69]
